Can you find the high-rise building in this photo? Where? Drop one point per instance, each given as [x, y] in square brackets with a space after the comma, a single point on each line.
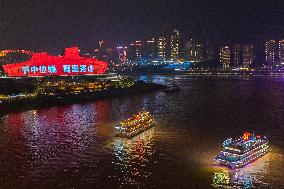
[161, 44]
[104, 51]
[122, 54]
[236, 55]
[199, 52]
[194, 51]
[186, 50]
[225, 56]
[270, 52]
[209, 51]
[136, 50]
[150, 50]
[100, 51]
[108, 55]
[281, 51]
[190, 50]
[175, 45]
[247, 55]
[2, 57]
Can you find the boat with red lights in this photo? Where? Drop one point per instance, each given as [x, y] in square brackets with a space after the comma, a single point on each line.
[239, 152]
[134, 125]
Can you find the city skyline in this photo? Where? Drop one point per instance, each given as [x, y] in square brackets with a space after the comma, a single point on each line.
[144, 35]
[171, 49]
[141, 94]
[51, 26]
[239, 54]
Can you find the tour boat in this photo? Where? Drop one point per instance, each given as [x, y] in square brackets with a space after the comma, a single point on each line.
[241, 151]
[134, 125]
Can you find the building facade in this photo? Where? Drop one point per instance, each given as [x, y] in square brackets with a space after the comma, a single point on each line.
[209, 51]
[225, 56]
[43, 64]
[190, 50]
[122, 54]
[136, 50]
[199, 52]
[174, 43]
[150, 50]
[161, 46]
[270, 52]
[236, 59]
[281, 51]
[247, 55]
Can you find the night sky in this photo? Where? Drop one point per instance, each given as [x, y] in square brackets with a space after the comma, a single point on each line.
[51, 25]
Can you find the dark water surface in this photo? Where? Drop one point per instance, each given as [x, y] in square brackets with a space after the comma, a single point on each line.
[73, 146]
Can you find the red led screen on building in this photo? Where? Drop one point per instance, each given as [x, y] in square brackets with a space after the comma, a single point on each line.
[42, 64]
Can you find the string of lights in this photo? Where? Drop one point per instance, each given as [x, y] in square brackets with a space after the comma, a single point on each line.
[134, 125]
[240, 152]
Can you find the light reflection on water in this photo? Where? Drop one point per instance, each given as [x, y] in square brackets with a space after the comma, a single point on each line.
[255, 175]
[232, 180]
[73, 146]
[133, 155]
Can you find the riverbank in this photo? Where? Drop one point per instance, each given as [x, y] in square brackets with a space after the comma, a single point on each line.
[42, 101]
[210, 73]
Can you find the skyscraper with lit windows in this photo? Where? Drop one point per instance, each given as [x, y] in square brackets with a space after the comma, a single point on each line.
[190, 50]
[199, 52]
[247, 55]
[225, 56]
[236, 55]
[270, 52]
[186, 50]
[161, 45]
[174, 42]
[281, 51]
[150, 50]
[209, 50]
[136, 50]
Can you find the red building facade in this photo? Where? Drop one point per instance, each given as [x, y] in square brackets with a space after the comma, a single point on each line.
[43, 64]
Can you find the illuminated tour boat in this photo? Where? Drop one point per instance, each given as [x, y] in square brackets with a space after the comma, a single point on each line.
[134, 125]
[240, 152]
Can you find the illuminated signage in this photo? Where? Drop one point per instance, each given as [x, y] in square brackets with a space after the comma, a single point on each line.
[246, 136]
[52, 69]
[42, 64]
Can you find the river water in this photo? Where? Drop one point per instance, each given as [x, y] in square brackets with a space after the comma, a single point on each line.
[73, 146]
